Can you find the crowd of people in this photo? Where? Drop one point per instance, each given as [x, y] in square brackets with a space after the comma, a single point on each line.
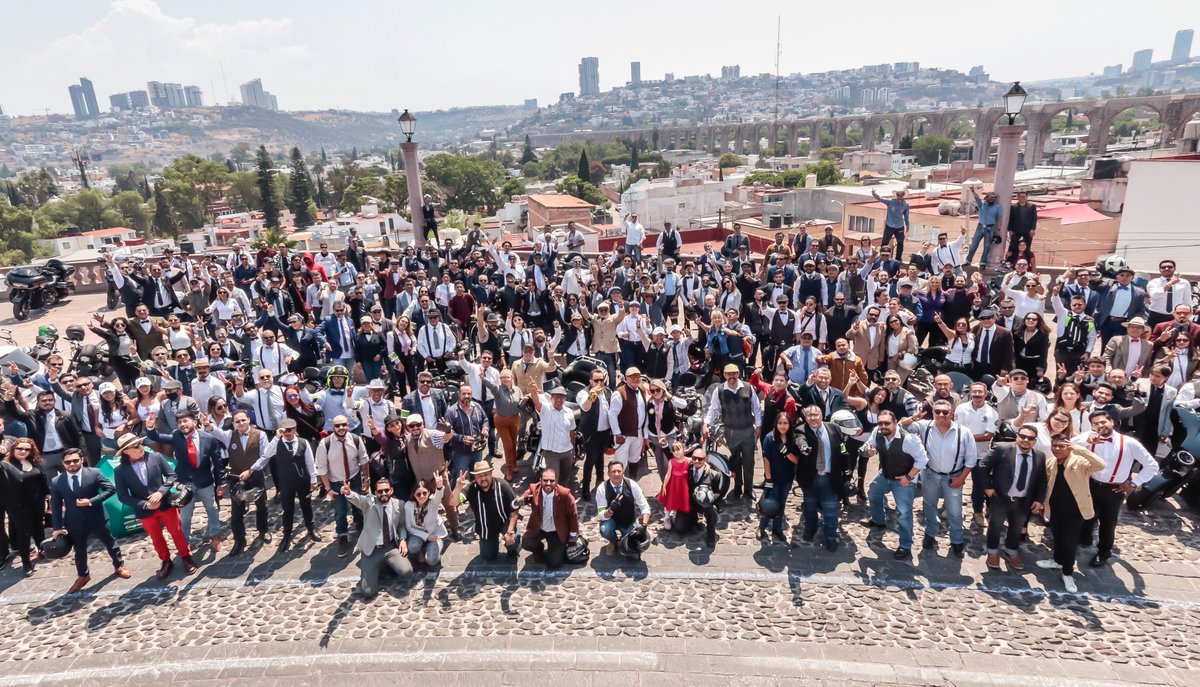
[804, 350]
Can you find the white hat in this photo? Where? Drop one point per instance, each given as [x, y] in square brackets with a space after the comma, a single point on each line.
[675, 328]
[657, 331]
[107, 386]
[139, 383]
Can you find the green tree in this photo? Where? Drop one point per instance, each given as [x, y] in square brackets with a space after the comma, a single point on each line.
[906, 143]
[275, 238]
[960, 130]
[930, 149]
[18, 239]
[5, 172]
[353, 196]
[164, 218]
[527, 154]
[728, 160]
[243, 193]
[395, 192]
[584, 190]
[134, 212]
[585, 167]
[266, 189]
[36, 187]
[510, 188]
[194, 184]
[240, 154]
[1077, 157]
[301, 195]
[469, 183]
[662, 170]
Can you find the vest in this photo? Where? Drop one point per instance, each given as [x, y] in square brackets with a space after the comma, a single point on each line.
[669, 418]
[424, 458]
[1008, 408]
[241, 459]
[590, 420]
[624, 511]
[782, 334]
[893, 461]
[627, 419]
[670, 242]
[292, 467]
[1075, 334]
[654, 362]
[736, 412]
[810, 285]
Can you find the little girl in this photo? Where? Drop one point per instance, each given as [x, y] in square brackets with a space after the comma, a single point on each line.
[675, 495]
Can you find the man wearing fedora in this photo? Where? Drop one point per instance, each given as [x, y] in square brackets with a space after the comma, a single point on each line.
[144, 480]
[77, 499]
[491, 500]
[1132, 351]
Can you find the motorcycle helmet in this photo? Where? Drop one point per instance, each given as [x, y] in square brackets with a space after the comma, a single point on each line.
[180, 496]
[455, 371]
[768, 506]
[635, 543]
[1006, 432]
[847, 423]
[1111, 264]
[48, 330]
[337, 371]
[908, 361]
[245, 494]
[703, 495]
[75, 332]
[577, 551]
[933, 353]
[56, 547]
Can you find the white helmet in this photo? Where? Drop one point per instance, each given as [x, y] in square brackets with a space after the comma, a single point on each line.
[908, 361]
[1113, 263]
[846, 422]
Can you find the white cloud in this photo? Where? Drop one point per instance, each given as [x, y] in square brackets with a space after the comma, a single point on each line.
[135, 42]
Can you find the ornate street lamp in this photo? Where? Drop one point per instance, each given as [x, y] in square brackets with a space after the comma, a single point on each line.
[412, 173]
[408, 125]
[1014, 100]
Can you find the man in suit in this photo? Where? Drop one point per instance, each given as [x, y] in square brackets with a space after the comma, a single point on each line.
[158, 290]
[994, 350]
[426, 401]
[1120, 303]
[199, 464]
[1165, 332]
[1154, 424]
[384, 539]
[553, 519]
[85, 410]
[54, 432]
[822, 475]
[869, 339]
[143, 481]
[1013, 477]
[306, 342]
[339, 332]
[820, 392]
[147, 333]
[1132, 351]
[699, 473]
[77, 511]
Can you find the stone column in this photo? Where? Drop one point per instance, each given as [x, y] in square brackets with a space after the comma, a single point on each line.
[1006, 171]
[814, 145]
[793, 145]
[868, 139]
[412, 172]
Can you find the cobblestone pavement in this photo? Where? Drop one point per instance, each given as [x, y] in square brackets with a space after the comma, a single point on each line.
[685, 614]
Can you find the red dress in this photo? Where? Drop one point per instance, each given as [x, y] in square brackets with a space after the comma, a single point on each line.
[677, 497]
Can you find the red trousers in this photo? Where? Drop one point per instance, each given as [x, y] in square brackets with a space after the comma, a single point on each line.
[166, 518]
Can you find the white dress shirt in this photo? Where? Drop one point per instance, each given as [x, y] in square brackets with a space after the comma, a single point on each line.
[978, 421]
[557, 426]
[948, 453]
[1119, 454]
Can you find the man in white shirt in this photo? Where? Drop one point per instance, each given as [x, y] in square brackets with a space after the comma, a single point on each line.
[436, 341]
[635, 233]
[951, 450]
[327, 260]
[576, 277]
[557, 423]
[265, 401]
[947, 253]
[901, 459]
[982, 420]
[205, 385]
[375, 407]
[1167, 291]
[342, 458]
[1111, 485]
[269, 354]
[740, 411]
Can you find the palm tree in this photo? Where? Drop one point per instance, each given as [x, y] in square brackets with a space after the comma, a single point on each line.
[274, 238]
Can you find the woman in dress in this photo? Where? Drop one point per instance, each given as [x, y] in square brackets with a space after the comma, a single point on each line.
[675, 496]
[780, 456]
[402, 343]
[1031, 342]
[425, 526]
[25, 490]
[1068, 397]
[960, 345]
[180, 336]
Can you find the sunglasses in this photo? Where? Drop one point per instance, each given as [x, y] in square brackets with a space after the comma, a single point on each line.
[549, 481]
[72, 461]
[338, 425]
[941, 412]
[1027, 437]
[385, 492]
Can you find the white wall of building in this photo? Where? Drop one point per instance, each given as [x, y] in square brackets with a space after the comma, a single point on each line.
[663, 200]
[1159, 221]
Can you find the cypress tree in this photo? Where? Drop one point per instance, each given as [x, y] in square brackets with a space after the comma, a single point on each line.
[301, 182]
[266, 189]
[585, 171]
[164, 221]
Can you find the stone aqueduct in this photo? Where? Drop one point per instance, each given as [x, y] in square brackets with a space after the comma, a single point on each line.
[1174, 111]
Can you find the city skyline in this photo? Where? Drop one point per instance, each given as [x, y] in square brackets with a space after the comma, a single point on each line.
[293, 50]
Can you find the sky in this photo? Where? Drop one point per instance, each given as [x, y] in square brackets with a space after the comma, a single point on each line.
[375, 55]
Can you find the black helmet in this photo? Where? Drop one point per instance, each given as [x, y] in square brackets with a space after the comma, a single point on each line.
[180, 496]
[75, 332]
[337, 371]
[577, 551]
[455, 371]
[56, 547]
[635, 543]
[768, 506]
[243, 493]
[703, 495]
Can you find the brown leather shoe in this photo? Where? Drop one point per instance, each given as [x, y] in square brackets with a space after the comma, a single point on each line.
[165, 569]
[189, 565]
[1015, 561]
[216, 543]
[79, 583]
[993, 561]
[123, 573]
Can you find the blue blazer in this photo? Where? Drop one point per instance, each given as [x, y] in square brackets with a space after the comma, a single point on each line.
[131, 491]
[1137, 303]
[210, 467]
[94, 487]
[333, 337]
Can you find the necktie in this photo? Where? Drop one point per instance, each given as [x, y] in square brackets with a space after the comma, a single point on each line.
[805, 353]
[345, 338]
[483, 390]
[1170, 300]
[387, 527]
[985, 346]
[345, 460]
[75, 483]
[91, 414]
[820, 452]
[291, 447]
[193, 459]
[1022, 471]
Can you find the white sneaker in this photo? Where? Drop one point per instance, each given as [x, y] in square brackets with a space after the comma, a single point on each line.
[1047, 564]
[1069, 584]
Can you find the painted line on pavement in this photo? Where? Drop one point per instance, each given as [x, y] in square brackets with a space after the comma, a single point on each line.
[589, 574]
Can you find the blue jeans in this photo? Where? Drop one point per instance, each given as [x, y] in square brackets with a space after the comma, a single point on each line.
[609, 529]
[984, 234]
[342, 508]
[462, 462]
[823, 496]
[880, 487]
[610, 361]
[780, 488]
[631, 354]
[371, 370]
[347, 363]
[207, 496]
[634, 250]
[431, 549]
[933, 488]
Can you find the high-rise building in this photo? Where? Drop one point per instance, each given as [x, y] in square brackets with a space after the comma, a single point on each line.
[175, 97]
[589, 76]
[139, 99]
[158, 94]
[77, 101]
[1113, 70]
[1182, 49]
[253, 95]
[635, 73]
[1142, 60]
[194, 96]
[120, 101]
[731, 72]
[531, 104]
[89, 97]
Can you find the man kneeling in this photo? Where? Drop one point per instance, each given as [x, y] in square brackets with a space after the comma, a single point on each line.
[621, 505]
[383, 541]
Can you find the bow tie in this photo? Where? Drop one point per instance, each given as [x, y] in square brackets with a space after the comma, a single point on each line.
[1122, 288]
[1102, 441]
[424, 396]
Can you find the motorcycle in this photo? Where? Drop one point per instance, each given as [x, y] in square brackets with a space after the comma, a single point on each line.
[1179, 471]
[42, 286]
[87, 360]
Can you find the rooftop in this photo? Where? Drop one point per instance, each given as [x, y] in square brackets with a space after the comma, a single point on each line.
[559, 201]
[113, 231]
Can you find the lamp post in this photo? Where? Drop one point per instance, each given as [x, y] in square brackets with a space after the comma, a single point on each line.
[1006, 164]
[412, 172]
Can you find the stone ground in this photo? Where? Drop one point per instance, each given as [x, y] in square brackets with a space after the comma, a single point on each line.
[742, 613]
